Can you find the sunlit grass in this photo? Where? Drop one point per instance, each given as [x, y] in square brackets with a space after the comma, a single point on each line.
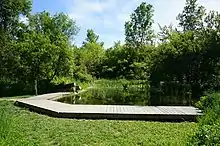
[27, 128]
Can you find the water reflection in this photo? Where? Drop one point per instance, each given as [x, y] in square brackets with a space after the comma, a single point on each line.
[115, 96]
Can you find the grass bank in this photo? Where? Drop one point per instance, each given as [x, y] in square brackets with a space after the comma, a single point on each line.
[21, 127]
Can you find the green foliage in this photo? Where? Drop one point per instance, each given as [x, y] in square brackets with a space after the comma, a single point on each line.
[205, 102]
[192, 16]
[55, 32]
[131, 61]
[57, 27]
[89, 57]
[10, 11]
[139, 31]
[41, 53]
[165, 32]
[120, 83]
[211, 110]
[188, 57]
[114, 63]
[92, 57]
[125, 62]
[208, 135]
[92, 38]
[10, 26]
[42, 57]
[208, 131]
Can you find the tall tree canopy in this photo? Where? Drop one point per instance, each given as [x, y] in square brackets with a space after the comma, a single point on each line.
[43, 51]
[190, 56]
[92, 37]
[138, 30]
[192, 16]
[59, 25]
[90, 55]
[10, 11]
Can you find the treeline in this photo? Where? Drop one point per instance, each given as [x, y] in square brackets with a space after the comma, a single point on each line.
[36, 52]
[40, 53]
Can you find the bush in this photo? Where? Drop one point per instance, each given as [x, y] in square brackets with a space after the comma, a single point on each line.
[15, 89]
[208, 131]
[205, 102]
[206, 135]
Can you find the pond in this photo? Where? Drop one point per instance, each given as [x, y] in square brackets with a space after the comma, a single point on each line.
[122, 96]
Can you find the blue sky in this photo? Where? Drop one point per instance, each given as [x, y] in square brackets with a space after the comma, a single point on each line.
[107, 17]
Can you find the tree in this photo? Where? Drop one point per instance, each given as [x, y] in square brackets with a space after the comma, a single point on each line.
[212, 20]
[63, 23]
[90, 55]
[138, 30]
[115, 62]
[10, 11]
[192, 16]
[45, 49]
[40, 60]
[59, 25]
[189, 60]
[166, 32]
[92, 37]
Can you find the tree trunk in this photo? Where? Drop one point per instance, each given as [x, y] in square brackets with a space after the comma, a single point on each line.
[35, 87]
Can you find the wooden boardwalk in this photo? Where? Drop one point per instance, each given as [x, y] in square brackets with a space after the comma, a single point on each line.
[44, 104]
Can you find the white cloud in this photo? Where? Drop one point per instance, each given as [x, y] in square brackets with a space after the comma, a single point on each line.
[210, 4]
[107, 17]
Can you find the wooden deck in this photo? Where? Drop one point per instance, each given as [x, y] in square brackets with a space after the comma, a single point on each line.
[44, 104]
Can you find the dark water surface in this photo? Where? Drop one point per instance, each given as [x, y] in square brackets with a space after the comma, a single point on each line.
[120, 96]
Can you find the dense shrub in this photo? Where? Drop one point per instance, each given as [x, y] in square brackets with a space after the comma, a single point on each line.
[208, 131]
[207, 135]
[12, 89]
[208, 101]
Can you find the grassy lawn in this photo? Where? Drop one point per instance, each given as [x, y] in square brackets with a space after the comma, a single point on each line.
[21, 127]
[15, 97]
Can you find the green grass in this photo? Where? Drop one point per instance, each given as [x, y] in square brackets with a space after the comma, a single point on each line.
[15, 97]
[26, 128]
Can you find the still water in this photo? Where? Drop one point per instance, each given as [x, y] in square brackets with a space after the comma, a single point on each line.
[118, 96]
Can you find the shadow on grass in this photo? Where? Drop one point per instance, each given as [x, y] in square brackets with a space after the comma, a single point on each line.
[15, 97]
